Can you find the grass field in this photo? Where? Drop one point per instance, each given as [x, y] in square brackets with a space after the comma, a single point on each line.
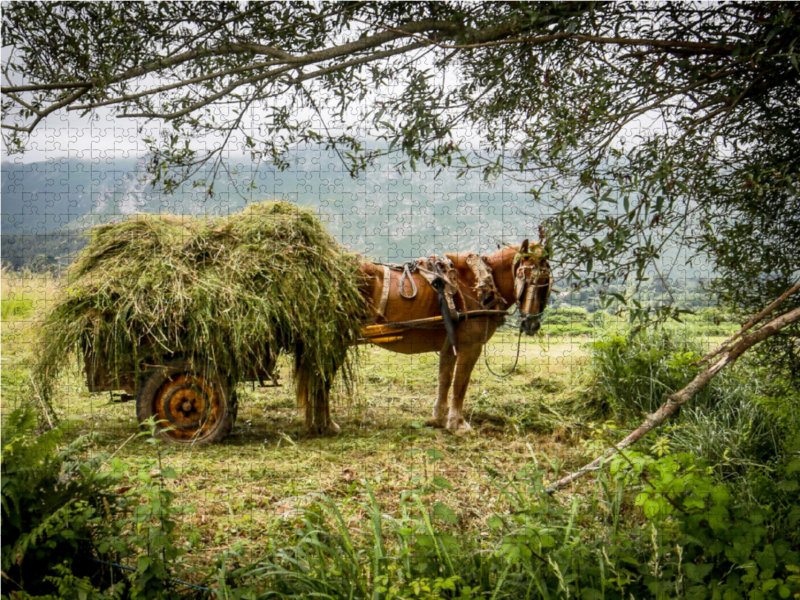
[250, 487]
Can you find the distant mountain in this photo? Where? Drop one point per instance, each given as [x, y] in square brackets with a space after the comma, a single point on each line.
[383, 214]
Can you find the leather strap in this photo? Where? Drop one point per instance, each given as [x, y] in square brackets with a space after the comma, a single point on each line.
[387, 280]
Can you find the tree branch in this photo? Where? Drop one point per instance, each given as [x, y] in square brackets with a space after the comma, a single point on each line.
[699, 47]
[753, 321]
[676, 400]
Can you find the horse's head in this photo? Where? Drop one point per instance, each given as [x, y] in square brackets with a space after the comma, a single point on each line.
[532, 283]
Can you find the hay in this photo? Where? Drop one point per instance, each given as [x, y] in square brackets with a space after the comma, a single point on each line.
[237, 290]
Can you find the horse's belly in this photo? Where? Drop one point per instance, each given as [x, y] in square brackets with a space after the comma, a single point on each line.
[416, 341]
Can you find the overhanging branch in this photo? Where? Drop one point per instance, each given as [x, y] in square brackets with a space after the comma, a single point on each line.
[727, 356]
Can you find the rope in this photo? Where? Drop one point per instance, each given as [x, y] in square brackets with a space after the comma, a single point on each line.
[486, 358]
[408, 268]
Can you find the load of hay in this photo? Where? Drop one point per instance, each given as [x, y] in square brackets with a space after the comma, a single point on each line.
[236, 290]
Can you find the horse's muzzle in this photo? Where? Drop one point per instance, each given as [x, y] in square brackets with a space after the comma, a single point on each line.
[530, 326]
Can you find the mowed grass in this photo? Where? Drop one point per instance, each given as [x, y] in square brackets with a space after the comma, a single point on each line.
[249, 488]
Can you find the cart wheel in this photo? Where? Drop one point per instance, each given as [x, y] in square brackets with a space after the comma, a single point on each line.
[192, 405]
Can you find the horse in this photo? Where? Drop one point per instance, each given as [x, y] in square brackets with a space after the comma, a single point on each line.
[521, 276]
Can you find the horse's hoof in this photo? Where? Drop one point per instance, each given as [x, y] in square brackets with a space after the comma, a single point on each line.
[435, 423]
[331, 429]
[459, 427]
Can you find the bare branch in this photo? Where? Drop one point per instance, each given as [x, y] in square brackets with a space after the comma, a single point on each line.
[676, 400]
[41, 87]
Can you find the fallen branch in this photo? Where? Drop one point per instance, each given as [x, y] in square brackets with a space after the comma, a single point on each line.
[755, 320]
[728, 356]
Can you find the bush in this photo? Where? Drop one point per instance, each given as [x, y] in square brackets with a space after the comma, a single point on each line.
[63, 525]
[568, 320]
[728, 423]
[52, 503]
[631, 374]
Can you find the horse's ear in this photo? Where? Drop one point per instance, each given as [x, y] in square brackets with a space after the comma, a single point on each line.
[544, 241]
[523, 249]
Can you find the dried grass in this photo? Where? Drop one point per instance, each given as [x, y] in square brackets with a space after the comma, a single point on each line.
[236, 290]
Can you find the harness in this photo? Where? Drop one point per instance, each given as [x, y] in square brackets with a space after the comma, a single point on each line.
[431, 269]
[527, 285]
[442, 277]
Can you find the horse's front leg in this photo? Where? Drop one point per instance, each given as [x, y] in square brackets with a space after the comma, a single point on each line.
[470, 337]
[468, 356]
[447, 364]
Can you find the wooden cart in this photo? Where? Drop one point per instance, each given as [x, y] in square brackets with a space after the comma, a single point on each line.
[195, 403]
[191, 402]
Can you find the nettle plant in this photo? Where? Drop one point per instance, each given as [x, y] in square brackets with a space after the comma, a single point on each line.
[68, 519]
[707, 540]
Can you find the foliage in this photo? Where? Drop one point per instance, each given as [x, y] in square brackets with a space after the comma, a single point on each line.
[236, 290]
[61, 518]
[568, 319]
[52, 503]
[631, 373]
[659, 524]
[711, 543]
[731, 423]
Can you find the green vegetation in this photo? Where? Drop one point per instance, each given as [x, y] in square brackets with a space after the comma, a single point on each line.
[236, 290]
[563, 319]
[706, 508]
[51, 502]
[736, 424]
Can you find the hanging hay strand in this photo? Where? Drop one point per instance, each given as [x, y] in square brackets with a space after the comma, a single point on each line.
[235, 290]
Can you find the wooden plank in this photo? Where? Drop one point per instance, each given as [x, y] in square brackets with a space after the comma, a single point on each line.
[431, 322]
[381, 340]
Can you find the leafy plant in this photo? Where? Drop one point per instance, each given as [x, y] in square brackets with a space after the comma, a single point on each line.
[60, 516]
[52, 503]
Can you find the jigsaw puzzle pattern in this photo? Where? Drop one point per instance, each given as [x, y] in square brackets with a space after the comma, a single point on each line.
[387, 216]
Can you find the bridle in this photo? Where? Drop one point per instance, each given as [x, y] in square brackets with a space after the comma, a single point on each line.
[526, 284]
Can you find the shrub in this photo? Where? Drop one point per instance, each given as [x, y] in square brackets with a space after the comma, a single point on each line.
[631, 374]
[62, 522]
[727, 423]
[52, 502]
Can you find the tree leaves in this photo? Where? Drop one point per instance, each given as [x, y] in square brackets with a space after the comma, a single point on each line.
[651, 127]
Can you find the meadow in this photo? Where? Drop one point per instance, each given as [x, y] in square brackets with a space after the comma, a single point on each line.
[249, 486]
[256, 490]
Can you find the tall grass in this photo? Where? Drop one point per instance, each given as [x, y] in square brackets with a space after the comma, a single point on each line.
[539, 546]
[728, 423]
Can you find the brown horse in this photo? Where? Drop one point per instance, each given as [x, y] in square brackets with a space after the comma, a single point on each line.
[521, 276]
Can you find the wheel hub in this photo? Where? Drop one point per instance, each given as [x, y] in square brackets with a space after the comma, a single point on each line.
[189, 404]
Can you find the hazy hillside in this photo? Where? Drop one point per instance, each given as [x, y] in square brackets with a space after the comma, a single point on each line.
[382, 213]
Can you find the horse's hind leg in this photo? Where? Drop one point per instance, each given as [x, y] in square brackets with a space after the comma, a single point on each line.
[447, 364]
[315, 402]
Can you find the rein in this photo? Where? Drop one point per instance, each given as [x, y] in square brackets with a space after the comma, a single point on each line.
[486, 357]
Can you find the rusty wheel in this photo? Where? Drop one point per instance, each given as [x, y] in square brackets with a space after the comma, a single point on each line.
[191, 405]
